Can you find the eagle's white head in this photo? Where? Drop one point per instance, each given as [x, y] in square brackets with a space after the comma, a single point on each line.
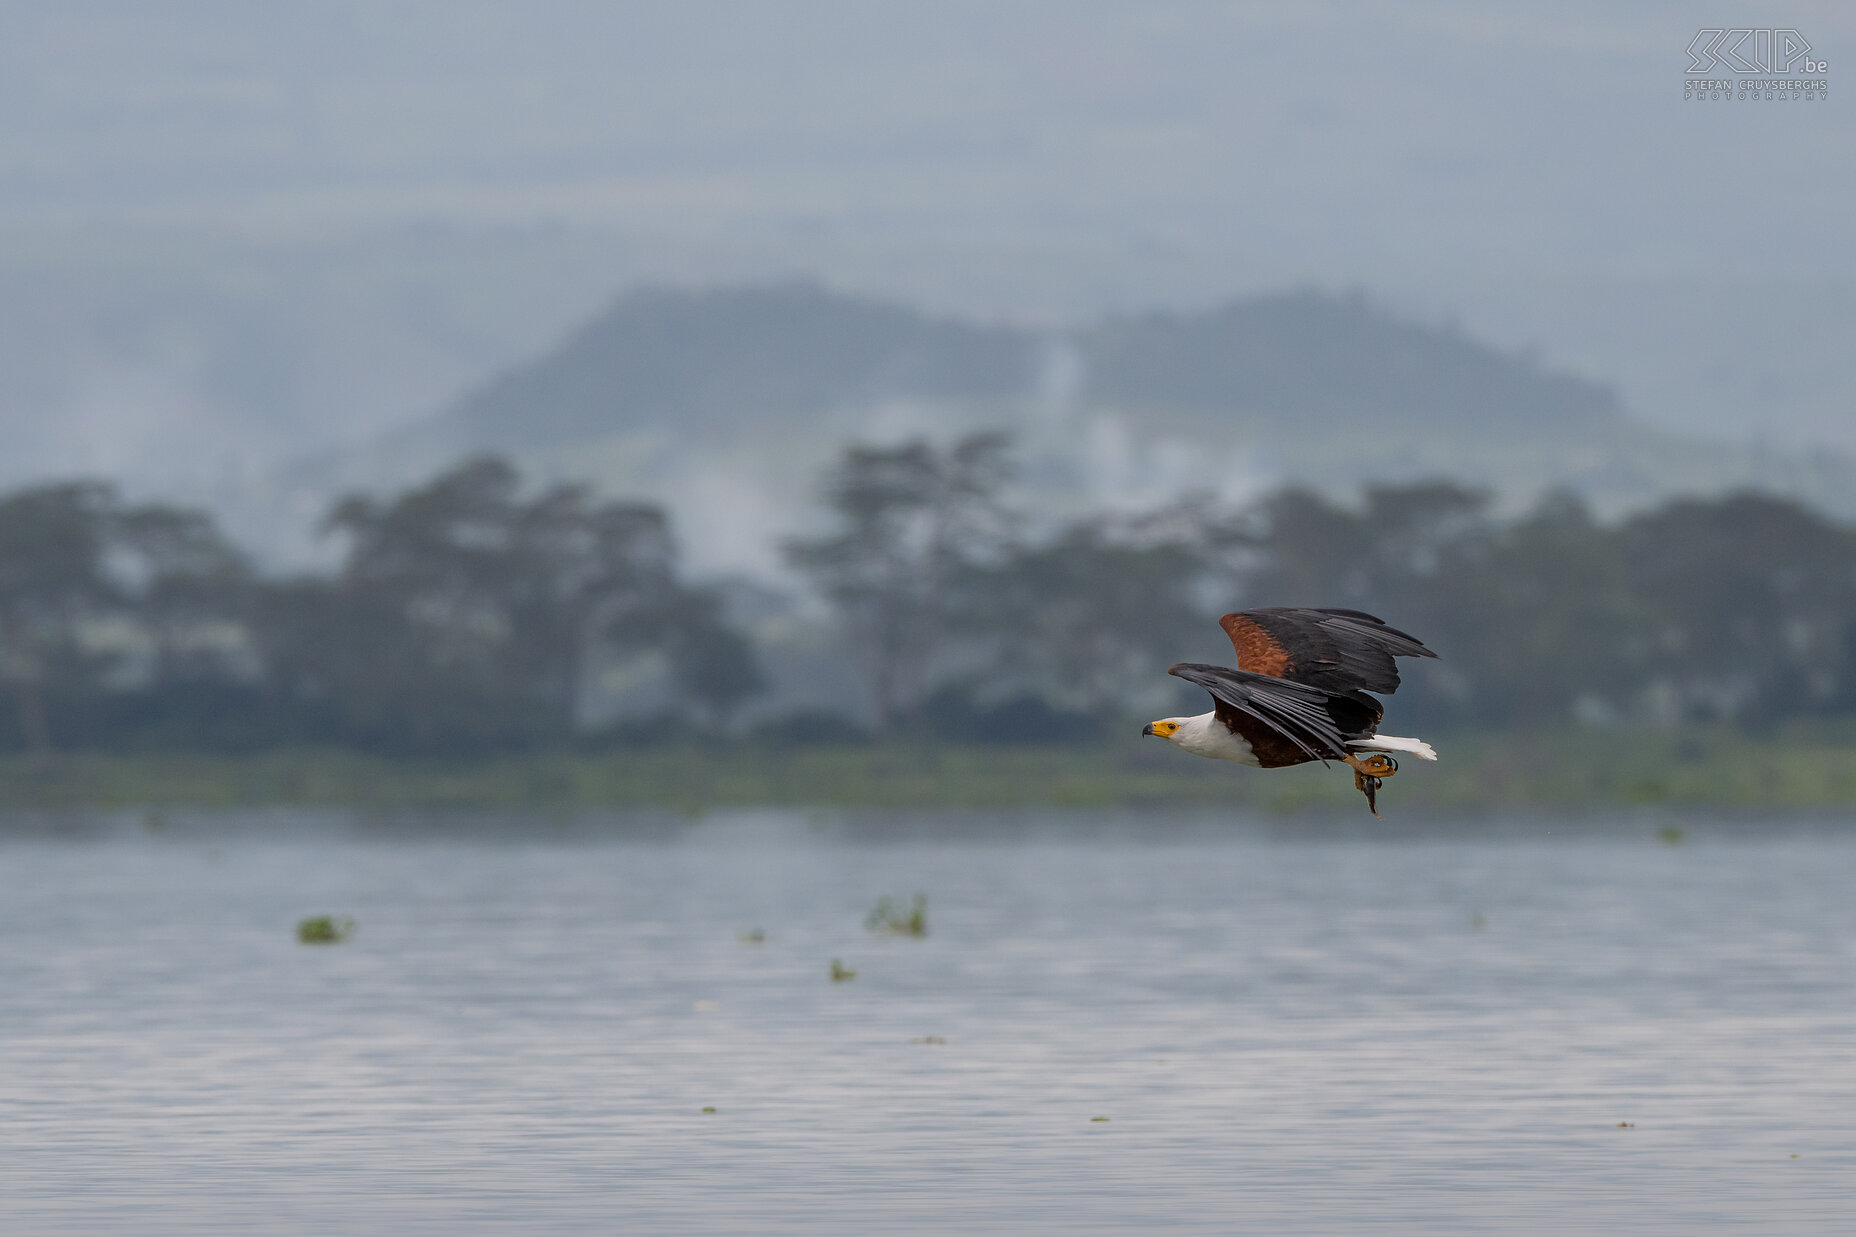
[1203, 735]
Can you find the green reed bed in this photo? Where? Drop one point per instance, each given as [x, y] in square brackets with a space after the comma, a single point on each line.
[1698, 767]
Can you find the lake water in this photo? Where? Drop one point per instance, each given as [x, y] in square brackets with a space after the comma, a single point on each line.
[1289, 1028]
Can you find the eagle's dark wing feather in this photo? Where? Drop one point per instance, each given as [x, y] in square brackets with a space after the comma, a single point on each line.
[1339, 650]
[1296, 711]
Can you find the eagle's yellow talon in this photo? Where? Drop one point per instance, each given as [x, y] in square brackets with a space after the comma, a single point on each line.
[1369, 774]
[1378, 766]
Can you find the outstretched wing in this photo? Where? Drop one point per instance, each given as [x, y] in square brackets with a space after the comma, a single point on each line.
[1338, 650]
[1296, 711]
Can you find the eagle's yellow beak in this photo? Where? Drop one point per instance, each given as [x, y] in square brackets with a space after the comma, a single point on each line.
[1163, 729]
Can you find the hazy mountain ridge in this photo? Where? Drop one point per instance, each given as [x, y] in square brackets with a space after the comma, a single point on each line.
[729, 357]
[725, 404]
[1304, 353]
[737, 356]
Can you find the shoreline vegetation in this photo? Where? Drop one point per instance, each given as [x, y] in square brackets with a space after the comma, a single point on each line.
[1571, 769]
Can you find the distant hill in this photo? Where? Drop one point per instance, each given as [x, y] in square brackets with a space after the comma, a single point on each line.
[726, 403]
[738, 357]
[1330, 362]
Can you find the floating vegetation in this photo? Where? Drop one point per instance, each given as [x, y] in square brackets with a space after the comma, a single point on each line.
[753, 936]
[708, 1108]
[1627, 1125]
[890, 919]
[928, 1039]
[841, 972]
[324, 930]
[1669, 835]
[1098, 1118]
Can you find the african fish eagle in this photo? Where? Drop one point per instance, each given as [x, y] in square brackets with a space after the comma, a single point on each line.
[1299, 694]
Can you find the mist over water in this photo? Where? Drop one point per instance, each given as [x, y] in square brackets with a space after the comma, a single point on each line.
[1290, 1028]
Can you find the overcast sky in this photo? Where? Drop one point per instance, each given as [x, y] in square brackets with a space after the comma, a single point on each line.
[1531, 170]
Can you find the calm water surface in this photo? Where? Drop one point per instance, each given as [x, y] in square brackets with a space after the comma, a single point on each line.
[1288, 1033]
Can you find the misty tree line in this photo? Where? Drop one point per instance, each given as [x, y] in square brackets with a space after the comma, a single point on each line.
[1738, 609]
[472, 615]
[465, 616]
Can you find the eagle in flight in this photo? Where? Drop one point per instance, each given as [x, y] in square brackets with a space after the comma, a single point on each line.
[1299, 694]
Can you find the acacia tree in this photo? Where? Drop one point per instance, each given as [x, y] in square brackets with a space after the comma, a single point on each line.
[1084, 618]
[467, 614]
[187, 586]
[711, 663]
[910, 521]
[1749, 606]
[53, 543]
[1302, 548]
[473, 610]
[579, 570]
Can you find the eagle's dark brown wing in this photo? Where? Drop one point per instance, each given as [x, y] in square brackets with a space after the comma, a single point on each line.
[1338, 650]
[1315, 721]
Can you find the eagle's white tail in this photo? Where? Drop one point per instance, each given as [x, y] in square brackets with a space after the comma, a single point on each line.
[1392, 743]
